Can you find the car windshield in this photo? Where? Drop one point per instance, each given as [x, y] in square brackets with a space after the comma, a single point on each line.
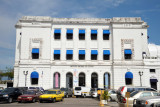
[8, 90]
[133, 93]
[50, 92]
[78, 88]
[93, 89]
[32, 87]
[30, 92]
[64, 89]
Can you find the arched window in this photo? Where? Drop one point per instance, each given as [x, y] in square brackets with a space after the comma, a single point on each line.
[107, 80]
[128, 78]
[56, 80]
[81, 79]
[94, 80]
[34, 78]
[69, 80]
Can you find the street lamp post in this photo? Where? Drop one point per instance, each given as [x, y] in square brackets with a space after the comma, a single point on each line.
[140, 74]
[25, 73]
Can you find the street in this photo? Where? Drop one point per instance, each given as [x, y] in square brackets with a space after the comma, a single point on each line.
[68, 102]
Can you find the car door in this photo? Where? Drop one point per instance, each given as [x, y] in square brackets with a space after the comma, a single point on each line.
[59, 95]
[113, 95]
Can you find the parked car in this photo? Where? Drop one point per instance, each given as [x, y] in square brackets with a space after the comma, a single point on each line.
[147, 101]
[82, 92]
[10, 94]
[23, 89]
[67, 92]
[112, 95]
[30, 96]
[52, 96]
[156, 104]
[93, 92]
[122, 91]
[136, 94]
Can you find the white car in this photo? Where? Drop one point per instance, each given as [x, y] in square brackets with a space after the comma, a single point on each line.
[82, 92]
[93, 92]
[112, 95]
[135, 95]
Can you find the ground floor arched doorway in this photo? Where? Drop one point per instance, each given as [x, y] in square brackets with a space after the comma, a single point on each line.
[56, 80]
[69, 80]
[94, 80]
[107, 80]
[81, 79]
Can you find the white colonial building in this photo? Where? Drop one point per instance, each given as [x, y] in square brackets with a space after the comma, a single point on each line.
[91, 52]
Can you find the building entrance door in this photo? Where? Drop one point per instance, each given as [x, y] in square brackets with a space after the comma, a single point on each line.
[69, 80]
[94, 80]
[81, 79]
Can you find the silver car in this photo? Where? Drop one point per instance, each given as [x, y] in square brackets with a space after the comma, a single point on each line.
[135, 95]
[147, 101]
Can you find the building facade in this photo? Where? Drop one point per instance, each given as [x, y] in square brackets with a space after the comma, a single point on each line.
[90, 52]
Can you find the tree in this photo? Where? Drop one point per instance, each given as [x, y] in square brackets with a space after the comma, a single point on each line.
[9, 73]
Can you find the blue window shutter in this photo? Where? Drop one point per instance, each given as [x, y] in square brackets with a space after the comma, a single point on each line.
[93, 31]
[106, 32]
[57, 31]
[69, 31]
[35, 50]
[82, 52]
[94, 52]
[69, 52]
[128, 51]
[106, 52]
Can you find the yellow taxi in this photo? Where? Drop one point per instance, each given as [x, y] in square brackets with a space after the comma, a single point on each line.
[52, 96]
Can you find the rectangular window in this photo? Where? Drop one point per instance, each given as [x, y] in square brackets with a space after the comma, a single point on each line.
[152, 71]
[69, 34]
[57, 34]
[81, 34]
[81, 57]
[106, 54]
[35, 53]
[56, 56]
[106, 57]
[93, 34]
[69, 57]
[69, 54]
[93, 57]
[94, 54]
[128, 54]
[106, 34]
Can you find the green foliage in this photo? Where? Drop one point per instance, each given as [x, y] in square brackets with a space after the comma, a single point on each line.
[9, 73]
[105, 95]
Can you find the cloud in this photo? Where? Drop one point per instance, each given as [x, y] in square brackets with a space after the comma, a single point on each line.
[83, 15]
[145, 11]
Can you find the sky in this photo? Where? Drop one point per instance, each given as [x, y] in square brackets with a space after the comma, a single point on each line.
[12, 10]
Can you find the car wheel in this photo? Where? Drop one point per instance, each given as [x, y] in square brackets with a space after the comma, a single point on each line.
[62, 99]
[34, 100]
[10, 100]
[84, 96]
[40, 101]
[109, 99]
[19, 101]
[54, 100]
[76, 96]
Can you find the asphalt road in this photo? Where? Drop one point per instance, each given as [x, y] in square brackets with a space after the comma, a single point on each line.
[68, 102]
